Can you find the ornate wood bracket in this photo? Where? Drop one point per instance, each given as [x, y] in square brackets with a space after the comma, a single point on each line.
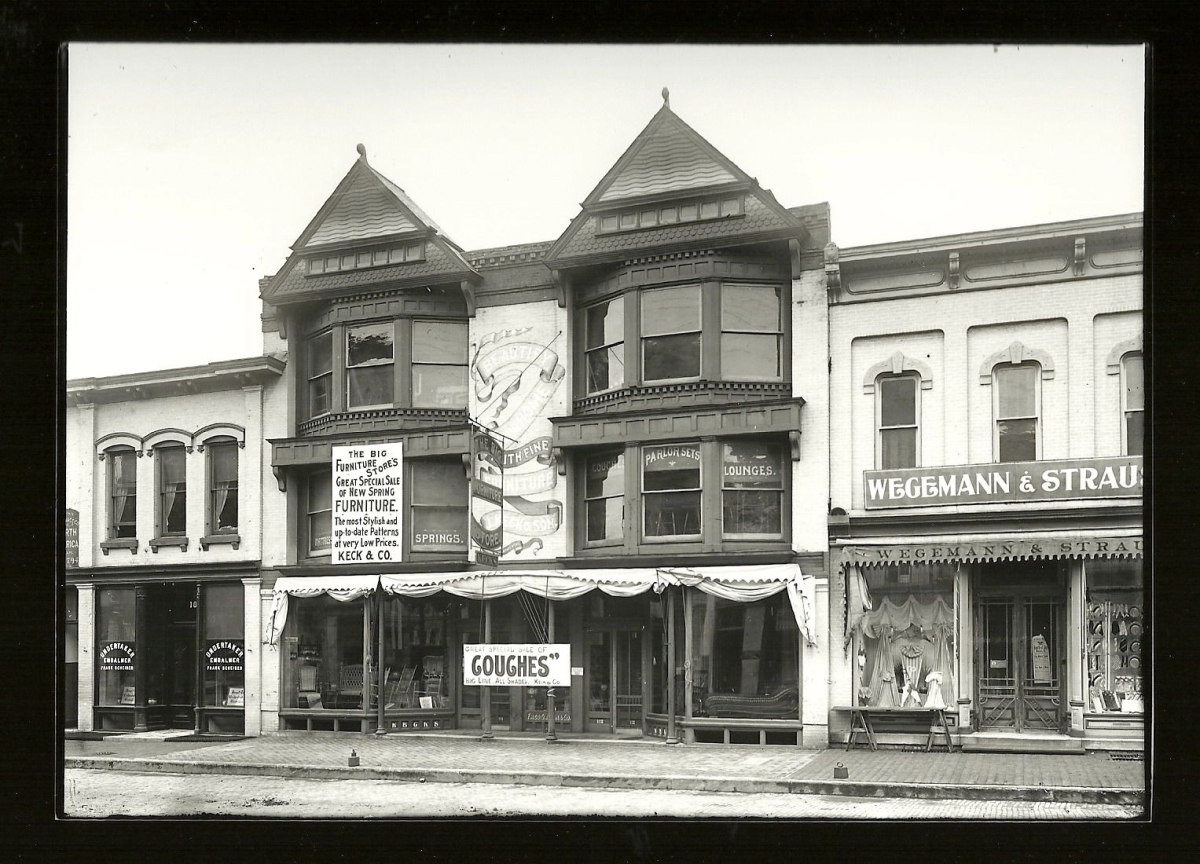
[468, 292]
[794, 256]
[280, 477]
[794, 441]
[833, 269]
[561, 284]
[560, 460]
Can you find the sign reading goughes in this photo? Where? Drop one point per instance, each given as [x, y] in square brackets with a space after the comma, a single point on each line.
[517, 665]
[1068, 479]
[367, 503]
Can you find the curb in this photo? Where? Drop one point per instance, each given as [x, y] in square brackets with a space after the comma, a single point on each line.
[1056, 794]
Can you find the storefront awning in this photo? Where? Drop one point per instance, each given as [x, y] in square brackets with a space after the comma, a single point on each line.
[741, 584]
[882, 551]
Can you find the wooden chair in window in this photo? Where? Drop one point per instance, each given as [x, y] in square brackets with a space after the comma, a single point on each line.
[350, 685]
[309, 692]
[399, 693]
[432, 676]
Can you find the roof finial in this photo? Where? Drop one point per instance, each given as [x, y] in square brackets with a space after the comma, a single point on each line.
[362, 152]
[666, 97]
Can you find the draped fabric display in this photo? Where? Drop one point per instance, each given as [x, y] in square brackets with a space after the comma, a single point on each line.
[857, 599]
[914, 637]
[741, 584]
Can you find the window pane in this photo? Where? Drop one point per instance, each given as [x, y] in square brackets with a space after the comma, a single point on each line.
[439, 526]
[320, 530]
[439, 342]
[172, 470]
[318, 396]
[439, 386]
[439, 483]
[223, 611]
[671, 467]
[225, 506]
[606, 323]
[1017, 388]
[224, 461]
[746, 356]
[672, 513]
[667, 357]
[758, 512]
[606, 368]
[172, 466]
[369, 344]
[370, 385]
[898, 448]
[604, 517]
[897, 401]
[605, 476]
[1135, 396]
[752, 465]
[750, 307]
[1018, 440]
[320, 356]
[1133, 432]
[320, 492]
[671, 310]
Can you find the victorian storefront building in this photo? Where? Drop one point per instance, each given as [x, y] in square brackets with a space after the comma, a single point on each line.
[986, 485]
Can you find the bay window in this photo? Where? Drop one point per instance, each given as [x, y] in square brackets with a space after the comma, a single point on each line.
[671, 333]
[319, 510]
[752, 490]
[604, 348]
[671, 491]
[370, 363]
[751, 333]
[439, 492]
[1017, 410]
[320, 374]
[439, 364]
[604, 498]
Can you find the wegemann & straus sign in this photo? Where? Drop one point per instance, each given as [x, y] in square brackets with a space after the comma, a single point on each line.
[1067, 479]
[367, 503]
[521, 665]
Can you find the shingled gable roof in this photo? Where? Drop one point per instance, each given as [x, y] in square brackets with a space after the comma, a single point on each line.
[364, 208]
[669, 159]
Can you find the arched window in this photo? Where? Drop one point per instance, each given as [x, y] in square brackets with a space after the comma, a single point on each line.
[122, 493]
[1133, 403]
[1017, 406]
[897, 416]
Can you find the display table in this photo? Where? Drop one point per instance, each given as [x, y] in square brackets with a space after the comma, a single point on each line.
[860, 721]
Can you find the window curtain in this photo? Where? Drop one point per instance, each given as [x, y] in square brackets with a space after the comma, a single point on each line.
[121, 486]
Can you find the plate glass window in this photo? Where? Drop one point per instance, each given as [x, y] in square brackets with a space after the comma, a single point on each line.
[605, 345]
[751, 332]
[752, 490]
[439, 506]
[671, 487]
[172, 474]
[604, 497]
[320, 374]
[1133, 399]
[224, 646]
[897, 421]
[439, 364]
[116, 639]
[223, 487]
[1016, 412]
[671, 333]
[370, 366]
[320, 512]
[122, 489]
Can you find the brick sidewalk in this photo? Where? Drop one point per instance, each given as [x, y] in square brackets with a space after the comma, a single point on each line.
[644, 763]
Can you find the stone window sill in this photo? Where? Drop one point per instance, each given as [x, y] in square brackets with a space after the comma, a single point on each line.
[129, 543]
[233, 540]
[158, 542]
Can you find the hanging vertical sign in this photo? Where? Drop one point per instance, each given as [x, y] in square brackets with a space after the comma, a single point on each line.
[367, 503]
[71, 537]
[487, 497]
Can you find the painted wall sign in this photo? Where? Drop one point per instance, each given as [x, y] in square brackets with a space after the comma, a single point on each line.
[1062, 480]
[999, 549]
[117, 657]
[223, 655]
[516, 383]
[527, 665]
[367, 503]
[71, 538]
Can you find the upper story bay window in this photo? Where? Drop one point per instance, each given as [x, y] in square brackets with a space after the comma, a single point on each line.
[708, 331]
[671, 491]
[1133, 403]
[752, 490]
[370, 366]
[604, 498]
[1017, 412]
[320, 374]
[439, 364]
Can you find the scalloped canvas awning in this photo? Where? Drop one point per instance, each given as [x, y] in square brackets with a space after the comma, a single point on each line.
[883, 551]
[740, 584]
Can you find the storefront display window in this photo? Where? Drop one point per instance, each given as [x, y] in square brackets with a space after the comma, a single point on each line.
[325, 666]
[745, 657]
[416, 655]
[116, 644]
[905, 645]
[224, 647]
[1116, 632]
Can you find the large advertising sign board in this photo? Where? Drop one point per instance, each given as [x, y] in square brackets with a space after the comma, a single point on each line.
[367, 503]
[522, 665]
[1055, 480]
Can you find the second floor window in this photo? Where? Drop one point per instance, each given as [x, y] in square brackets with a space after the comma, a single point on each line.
[604, 497]
[122, 492]
[370, 372]
[319, 509]
[439, 495]
[1133, 403]
[671, 491]
[1017, 412]
[223, 487]
[752, 490]
[172, 490]
[896, 410]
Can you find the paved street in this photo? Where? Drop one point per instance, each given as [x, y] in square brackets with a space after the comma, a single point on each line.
[90, 793]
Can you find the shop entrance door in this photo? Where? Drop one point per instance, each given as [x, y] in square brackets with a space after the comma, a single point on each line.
[181, 675]
[615, 663]
[1020, 662]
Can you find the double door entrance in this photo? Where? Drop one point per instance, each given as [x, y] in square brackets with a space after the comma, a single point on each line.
[1020, 658]
[617, 661]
